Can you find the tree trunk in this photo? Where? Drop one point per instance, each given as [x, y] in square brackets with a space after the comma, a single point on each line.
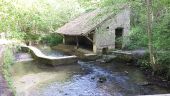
[149, 30]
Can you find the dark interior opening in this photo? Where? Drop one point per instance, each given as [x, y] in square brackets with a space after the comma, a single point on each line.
[118, 38]
[80, 41]
[105, 50]
[85, 43]
[107, 28]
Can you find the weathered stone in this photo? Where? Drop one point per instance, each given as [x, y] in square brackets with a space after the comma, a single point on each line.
[129, 57]
[126, 72]
[92, 78]
[90, 57]
[143, 83]
[108, 58]
[83, 31]
[102, 79]
[40, 57]
[82, 54]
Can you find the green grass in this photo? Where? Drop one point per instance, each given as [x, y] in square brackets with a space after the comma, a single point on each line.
[8, 61]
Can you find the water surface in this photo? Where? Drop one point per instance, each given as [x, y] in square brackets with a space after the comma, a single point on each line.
[81, 79]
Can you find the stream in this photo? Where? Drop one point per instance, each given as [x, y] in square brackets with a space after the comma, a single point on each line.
[89, 78]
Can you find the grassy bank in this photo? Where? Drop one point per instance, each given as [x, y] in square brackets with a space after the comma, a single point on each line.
[8, 60]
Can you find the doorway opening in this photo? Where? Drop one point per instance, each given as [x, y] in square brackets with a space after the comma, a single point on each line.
[118, 38]
[105, 50]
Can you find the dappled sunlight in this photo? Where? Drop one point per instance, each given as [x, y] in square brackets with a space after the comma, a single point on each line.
[6, 42]
[84, 47]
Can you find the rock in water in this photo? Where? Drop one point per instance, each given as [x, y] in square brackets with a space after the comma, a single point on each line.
[102, 79]
[144, 83]
[92, 78]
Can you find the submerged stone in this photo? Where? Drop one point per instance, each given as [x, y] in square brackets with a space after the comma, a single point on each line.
[144, 83]
[102, 79]
[92, 78]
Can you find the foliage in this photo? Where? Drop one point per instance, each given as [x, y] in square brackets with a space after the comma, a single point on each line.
[161, 39]
[105, 3]
[137, 41]
[52, 39]
[8, 61]
[160, 31]
[89, 4]
[22, 19]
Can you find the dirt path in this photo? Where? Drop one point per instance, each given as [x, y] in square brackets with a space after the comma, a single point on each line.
[4, 89]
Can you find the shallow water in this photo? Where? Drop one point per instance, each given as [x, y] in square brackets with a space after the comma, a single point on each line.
[31, 74]
[82, 79]
[49, 52]
[78, 80]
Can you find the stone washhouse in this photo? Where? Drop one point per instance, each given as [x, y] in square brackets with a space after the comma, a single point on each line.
[98, 30]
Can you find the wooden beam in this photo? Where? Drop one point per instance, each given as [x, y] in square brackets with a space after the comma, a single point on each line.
[88, 38]
[77, 42]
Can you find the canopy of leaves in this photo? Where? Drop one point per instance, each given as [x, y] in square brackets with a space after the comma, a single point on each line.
[29, 19]
[25, 18]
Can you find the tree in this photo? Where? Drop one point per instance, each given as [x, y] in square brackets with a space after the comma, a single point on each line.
[31, 19]
[149, 30]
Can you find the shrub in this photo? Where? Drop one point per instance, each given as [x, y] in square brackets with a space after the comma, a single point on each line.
[52, 39]
[8, 61]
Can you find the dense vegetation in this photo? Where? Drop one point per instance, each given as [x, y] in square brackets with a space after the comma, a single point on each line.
[7, 63]
[36, 19]
[32, 19]
[160, 30]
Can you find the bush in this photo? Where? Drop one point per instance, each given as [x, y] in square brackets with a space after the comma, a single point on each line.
[8, 61]
[51, 40]
[138, 38]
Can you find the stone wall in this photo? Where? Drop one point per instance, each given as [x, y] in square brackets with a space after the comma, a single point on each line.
[105, 34]
[42, 58]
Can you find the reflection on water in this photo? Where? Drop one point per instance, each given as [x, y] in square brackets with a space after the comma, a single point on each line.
[49, 52]
[29, 74]
[79, 80]
[82, 79]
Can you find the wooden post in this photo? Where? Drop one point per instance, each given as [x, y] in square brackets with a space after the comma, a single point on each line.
[77, 42]
[64, 41]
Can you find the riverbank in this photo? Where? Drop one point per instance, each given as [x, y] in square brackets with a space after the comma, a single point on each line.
[4, 87]
[33, 78]
[156, 79]
[138, 59]
[38, 79]
[120, 80]
[31, 75]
